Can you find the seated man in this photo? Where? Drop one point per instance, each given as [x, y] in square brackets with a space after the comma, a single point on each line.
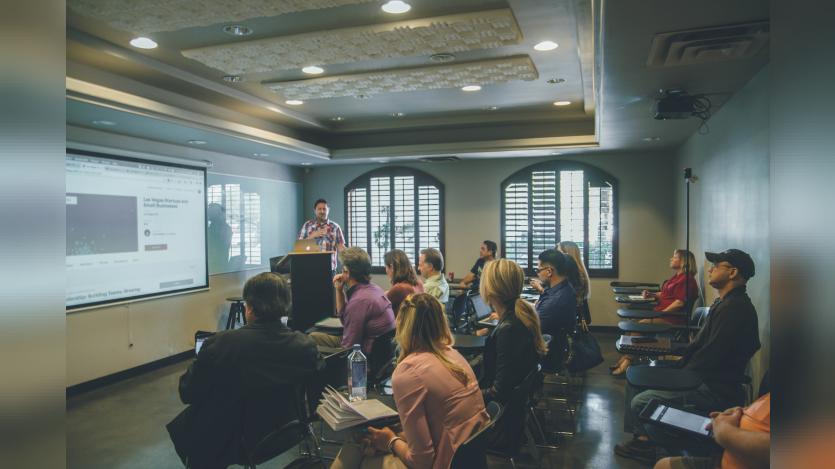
[744, 436]
[486, 253]
[363, 308]
[241, 386]
[431, 266]
[557, 305]
[719, 353]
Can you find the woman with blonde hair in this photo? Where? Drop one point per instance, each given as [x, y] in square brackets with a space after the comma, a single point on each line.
[404, 280]
[436, 392]
[578, 277]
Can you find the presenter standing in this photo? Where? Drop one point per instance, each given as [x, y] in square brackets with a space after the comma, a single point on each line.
[328, 234]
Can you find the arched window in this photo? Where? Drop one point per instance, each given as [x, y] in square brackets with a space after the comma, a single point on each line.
[557, 201]
[394, 207]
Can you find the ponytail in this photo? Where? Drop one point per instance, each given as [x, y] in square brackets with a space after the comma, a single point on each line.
[528, 317]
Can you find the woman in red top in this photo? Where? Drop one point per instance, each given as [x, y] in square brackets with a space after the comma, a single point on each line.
[401, 274]
[678, 290]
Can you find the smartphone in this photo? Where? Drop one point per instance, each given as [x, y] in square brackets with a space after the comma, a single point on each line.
[671, 417]
[199, 338]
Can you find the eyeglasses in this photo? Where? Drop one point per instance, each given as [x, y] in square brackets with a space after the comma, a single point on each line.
[542, 268]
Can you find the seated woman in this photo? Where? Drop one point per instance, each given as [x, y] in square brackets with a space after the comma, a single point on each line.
[403, 278]
[578, 277]
[678, 291]
[436, 393]
[514, 348]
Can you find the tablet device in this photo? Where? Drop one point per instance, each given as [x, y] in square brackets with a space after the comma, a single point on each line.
[482, 309]
[199, 338]
[662, 414]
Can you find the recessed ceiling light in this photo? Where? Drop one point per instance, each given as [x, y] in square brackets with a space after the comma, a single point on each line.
[261, 155]
[562, 103]
[470, 88]
[237, 30]
[313, 70]
[362, 96]
[306, 164]
[294, 102]
[397, 114]
[143, 43]
[196, 142]
[555, 81]
[337, 119]
[396, 7]
[652, 139]
[232, 78]
[546, 46]
[104, 123]
[555, 153]
[492, 108]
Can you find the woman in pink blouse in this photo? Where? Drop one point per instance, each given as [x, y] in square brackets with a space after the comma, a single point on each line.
[403, 278]
[436, 392]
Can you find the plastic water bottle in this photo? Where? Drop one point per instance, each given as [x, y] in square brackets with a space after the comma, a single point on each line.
[357, 374]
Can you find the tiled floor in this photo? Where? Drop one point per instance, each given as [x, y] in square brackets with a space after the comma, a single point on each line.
[123, 425]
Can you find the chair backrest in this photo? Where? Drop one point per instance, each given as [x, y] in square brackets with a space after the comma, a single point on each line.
[509, 435]
[472, 454]
[266, 444]
[381, 357]
[699, 316]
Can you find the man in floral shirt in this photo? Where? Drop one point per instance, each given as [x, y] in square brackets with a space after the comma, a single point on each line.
[328, 234]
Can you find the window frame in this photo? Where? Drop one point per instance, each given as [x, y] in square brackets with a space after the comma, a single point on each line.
[590, 173]
[421, 178]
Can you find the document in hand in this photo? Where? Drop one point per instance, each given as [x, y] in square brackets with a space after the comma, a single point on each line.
[339, 413]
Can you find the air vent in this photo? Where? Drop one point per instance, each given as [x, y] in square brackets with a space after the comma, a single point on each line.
[698, 46]
[439, 159]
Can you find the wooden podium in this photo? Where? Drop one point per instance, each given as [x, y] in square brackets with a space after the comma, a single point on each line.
[311, 283]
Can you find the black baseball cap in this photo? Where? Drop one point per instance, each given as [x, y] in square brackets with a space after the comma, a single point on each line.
[739, 259]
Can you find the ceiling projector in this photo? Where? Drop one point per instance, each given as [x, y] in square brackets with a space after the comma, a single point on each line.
[675, 104]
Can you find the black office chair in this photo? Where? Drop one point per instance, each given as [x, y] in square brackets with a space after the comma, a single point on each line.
[472, 454]
[381, 358]
[512, 430]
[290, 434]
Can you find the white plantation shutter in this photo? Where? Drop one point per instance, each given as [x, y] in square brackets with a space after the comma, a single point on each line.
[394, 208]
[560, 201]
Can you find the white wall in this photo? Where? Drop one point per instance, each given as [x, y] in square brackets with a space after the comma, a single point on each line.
[472, 211]
[107, 340]
[730, 200]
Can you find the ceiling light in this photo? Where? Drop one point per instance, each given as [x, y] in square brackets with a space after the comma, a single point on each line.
[652, 139]
[396, 7]
[546, 46]
[196, 142]
[337, 119]
[104, 123]
[492, 108]
[313, 70]
[261, 155]
[470, 88]
[294, 102]
[237, 30]
[143, 43]
[562, 103]
[397, 114]
[232, 78]
[555, 81]
[306, 164]
[555, 153]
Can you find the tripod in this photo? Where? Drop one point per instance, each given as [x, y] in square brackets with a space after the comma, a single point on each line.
[236, 312]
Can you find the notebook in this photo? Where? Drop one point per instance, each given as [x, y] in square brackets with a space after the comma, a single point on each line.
[329, 323]
[638, 344]
[339, 413]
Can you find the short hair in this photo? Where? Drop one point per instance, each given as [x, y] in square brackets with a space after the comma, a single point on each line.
[491, 246]
[319, 201]
[358, 263]
[268, 295]
[434, 257]
[556, 260]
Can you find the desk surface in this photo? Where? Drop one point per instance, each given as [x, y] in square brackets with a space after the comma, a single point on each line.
[662, 378]
[469, 342]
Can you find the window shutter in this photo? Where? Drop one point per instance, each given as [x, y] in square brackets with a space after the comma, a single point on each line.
[429, 219]
[544, 213]
[380, 219]
[572, 222]
[404, 214]
[601, 227]
[358, 218]
[517, 214]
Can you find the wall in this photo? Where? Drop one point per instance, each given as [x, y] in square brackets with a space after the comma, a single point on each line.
[107, 340]
[472, 211]
[730, 200]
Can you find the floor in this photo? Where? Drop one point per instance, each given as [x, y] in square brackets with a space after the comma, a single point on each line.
[123, 425]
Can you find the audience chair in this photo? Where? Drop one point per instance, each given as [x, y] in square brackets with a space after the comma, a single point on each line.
[514, 423]
[381, 359]
[472, 454]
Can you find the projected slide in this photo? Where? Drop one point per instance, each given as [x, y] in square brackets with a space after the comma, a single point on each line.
[135, 228]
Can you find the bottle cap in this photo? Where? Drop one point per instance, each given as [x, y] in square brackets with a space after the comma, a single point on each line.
[356, 346]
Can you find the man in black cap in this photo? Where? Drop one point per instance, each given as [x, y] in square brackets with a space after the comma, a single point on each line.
[719, 353]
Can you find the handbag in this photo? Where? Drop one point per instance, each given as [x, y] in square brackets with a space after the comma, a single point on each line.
[583, 350]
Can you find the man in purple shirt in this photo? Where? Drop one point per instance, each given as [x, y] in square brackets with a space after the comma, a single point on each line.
[363, 308]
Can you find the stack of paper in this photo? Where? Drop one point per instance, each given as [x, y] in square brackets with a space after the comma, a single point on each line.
[339, 413]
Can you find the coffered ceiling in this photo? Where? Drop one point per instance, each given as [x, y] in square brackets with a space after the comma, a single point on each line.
[462, 77]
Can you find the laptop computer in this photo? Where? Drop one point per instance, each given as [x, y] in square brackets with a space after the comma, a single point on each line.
[306, 245]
